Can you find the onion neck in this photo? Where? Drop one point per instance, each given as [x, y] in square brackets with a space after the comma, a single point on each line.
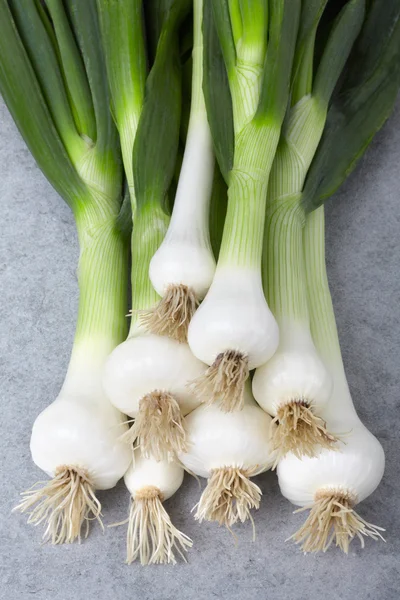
[242, 238]
[284, 270]
[284, 275]
[102, 279]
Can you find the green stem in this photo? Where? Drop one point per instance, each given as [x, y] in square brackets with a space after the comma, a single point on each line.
[236, 20]
[242, 239]
[102, 278]
[77, 85]
[150, 226]
[123, 41]
[253, 43]
[302, 85]
[244, 225]
[323, 323]
[284, 277]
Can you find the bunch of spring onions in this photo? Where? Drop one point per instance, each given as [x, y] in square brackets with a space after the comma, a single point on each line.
[204, 135]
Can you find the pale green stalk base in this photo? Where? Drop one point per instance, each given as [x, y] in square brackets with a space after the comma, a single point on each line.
[284, 262]
[102, 278]
[244, 224]
[68, 502]
[323, 322]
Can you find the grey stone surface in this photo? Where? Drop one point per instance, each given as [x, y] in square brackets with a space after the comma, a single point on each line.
[38, 304]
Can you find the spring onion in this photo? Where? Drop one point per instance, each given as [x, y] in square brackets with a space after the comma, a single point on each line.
[183, 267]
[233, 330]
[332, 483]
[228, 449]
[265, 104]
[63, 116]
[294, 385]
[151, 536]
[146, 376]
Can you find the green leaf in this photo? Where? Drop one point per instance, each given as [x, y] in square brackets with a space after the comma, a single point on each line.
[218, 207]
[122, 33]
[42, 55]
[156, 143]
[155, 13]
[362, 105]
[345, 31]
[186, 39]
[302, 72]
[217, 94]
[86, 26]
[23, 96]
[123, 42]
[124, 219]
[222, 22]
[187, 69]
[283, 28]
[73, 70]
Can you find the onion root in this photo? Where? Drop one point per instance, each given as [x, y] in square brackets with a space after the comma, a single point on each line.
[172, 315]
[298, 430]
[229, 497]
[64, 504]
[151, 535]
[223, 382]
[332, 519]
[158, 427]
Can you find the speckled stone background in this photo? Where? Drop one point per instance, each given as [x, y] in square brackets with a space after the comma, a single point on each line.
[38, 301]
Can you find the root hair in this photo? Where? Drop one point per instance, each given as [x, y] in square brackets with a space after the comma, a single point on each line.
[333, 519]
[158, 427]
[298, 430]
[65, 505]
[173, 313]
[151, 536]
[229, 497]
[223, 382]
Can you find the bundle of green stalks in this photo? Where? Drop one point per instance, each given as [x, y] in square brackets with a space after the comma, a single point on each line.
[197, 141]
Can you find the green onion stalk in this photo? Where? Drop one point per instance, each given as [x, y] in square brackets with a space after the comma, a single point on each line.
[234, 331]
[183, 267]
[143, 375]
[331, 485]
[146, 376]
[294, 385]
[53, 80]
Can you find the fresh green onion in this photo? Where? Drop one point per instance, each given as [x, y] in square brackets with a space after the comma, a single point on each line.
[233, 330]
[75, 439]
[294, 384]
[183, 267]
[145, 377]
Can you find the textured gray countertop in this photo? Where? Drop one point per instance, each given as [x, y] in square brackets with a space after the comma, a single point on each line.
[38, 307]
